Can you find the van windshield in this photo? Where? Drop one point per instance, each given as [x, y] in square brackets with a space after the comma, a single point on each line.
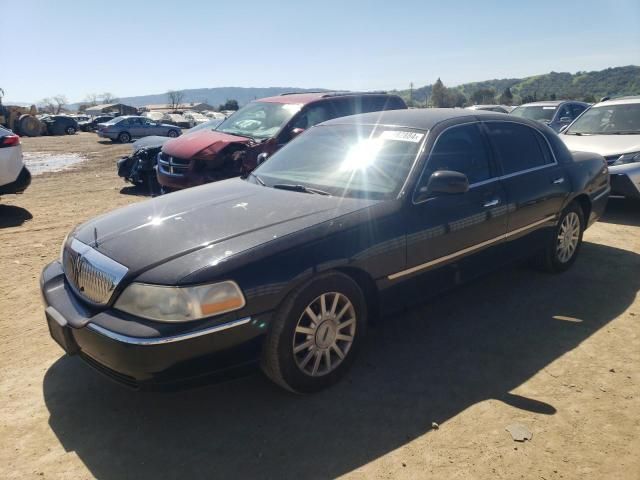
[259, 120]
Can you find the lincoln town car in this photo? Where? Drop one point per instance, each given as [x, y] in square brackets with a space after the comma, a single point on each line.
[285, 268]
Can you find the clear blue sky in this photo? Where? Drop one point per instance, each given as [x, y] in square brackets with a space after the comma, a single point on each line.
[142, 47]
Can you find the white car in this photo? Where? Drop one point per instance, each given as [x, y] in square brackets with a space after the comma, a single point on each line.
[14, 176]
[612, 129]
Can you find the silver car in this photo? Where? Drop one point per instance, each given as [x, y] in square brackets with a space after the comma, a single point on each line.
[612, 129]
[123, 129]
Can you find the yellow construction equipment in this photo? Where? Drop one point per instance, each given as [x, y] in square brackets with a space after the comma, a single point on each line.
[21, 120]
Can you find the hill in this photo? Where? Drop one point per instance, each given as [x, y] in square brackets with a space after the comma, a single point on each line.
[590, 86]
[212, 96]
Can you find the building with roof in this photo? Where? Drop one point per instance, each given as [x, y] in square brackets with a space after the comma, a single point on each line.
[115, 108]
[167, 107]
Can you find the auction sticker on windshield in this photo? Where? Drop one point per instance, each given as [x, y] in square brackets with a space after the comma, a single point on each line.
[402, 136]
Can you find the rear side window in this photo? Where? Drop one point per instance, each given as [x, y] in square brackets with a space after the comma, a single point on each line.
[577, 109]
[518, 147]
[460, 149]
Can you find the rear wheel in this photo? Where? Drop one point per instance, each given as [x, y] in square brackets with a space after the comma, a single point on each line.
[562, 249]
[315, 334]
[124, 137]
[70, 130]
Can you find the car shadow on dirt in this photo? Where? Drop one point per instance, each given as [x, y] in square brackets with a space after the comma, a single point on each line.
[140, 191]
[622, 211]
[13, 216]
[429, 364]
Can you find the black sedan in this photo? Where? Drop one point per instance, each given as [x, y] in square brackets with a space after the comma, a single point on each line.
[356, 217]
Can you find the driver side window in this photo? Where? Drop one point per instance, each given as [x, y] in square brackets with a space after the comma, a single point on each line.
[459, 149]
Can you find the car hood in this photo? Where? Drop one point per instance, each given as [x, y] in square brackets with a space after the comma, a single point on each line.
[226, 217]
[604, 145]
[189, 145]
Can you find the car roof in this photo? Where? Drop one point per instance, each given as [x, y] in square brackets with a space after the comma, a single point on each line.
[620, 101]
[418, 118]
[551, 103]
[309, 97]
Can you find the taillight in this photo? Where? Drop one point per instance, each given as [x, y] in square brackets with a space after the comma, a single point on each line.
[9, 141]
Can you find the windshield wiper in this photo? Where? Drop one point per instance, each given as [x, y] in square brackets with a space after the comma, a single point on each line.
[622, 132]
[299, 188]
[258, 179]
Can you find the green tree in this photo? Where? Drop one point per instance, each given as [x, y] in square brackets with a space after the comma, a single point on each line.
[483, 96]
[438, 94]
[229, 105]
[507, 97]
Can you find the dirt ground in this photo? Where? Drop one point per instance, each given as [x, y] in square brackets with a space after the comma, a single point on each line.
[558, 354]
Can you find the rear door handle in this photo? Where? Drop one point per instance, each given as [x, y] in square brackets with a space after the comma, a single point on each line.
[558, 181]
[491, 203]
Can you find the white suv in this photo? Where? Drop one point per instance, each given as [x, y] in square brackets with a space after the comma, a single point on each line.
[14, 176]
[612, 129]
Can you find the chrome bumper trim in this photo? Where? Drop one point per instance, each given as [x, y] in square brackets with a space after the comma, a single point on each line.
[162, 340]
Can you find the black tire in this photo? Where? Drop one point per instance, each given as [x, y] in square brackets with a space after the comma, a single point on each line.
[278, 360]
[70, 130]
[124, 137]
[550, 258]
[172, 133]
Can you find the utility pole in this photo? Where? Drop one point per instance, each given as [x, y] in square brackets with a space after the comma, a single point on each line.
[411, 93]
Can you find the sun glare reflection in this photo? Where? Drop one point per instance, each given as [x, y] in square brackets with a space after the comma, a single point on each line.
[362, 154]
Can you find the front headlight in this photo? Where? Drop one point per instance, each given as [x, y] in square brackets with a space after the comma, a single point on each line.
[627, 158]
[180, 304]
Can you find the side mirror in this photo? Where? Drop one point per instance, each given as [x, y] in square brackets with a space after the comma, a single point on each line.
[565, 119]
[444, 182]
[261, 158]
[563, 128]
[295, 132]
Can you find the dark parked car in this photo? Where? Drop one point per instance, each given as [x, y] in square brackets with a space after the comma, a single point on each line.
[555, 114]
[60, 125]
[262, 126]
[92, 124]
[355, 217]
[123, 129]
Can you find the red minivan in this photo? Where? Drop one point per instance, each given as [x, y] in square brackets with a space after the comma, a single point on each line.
[262, 126]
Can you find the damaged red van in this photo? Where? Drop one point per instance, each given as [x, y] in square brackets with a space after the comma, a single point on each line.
[262, 126]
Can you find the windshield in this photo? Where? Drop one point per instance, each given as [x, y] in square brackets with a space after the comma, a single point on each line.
[540, 113]
[346, 160]
[259, 119]
[608, 120]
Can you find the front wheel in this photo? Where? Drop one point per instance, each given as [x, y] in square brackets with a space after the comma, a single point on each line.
[172, 133]
[315, 334]
[562, 250]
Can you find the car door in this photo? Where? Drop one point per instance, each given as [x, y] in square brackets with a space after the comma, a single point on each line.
[447, 227]
[136, 129]
[536, 185]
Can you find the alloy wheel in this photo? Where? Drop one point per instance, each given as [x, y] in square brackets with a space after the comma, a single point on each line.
[568, 237]
[324, 334]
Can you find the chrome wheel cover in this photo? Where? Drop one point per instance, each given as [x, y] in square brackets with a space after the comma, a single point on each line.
[324, 334]
[568, 237]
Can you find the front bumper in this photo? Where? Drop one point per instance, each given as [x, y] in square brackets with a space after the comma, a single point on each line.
[625, 180]
[143, 354]
[19, 185]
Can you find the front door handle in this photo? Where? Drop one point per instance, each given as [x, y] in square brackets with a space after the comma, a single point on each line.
[491, 203]
[558, 181]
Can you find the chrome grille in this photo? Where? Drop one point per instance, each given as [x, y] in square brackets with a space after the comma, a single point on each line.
[173, 165]
[92, 275]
